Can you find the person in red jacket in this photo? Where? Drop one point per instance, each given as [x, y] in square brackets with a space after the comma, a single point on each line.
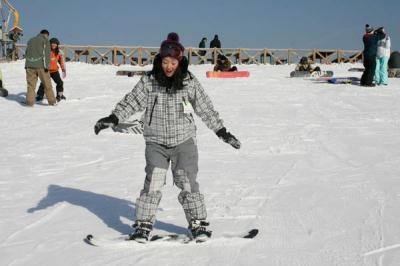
[56, 59]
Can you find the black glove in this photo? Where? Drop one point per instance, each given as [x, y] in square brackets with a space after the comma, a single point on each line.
[228, 138]
[46, 70]
[105, 122]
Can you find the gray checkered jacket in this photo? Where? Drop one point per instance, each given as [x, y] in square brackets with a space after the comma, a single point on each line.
[165, 121]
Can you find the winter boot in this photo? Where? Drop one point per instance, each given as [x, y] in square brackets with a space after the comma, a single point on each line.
[60, 96]
[199, 230]
[142, 231]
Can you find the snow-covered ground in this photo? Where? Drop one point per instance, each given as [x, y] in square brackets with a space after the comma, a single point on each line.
[318, 173]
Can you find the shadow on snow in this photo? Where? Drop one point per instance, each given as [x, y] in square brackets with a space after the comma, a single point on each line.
[106, 208]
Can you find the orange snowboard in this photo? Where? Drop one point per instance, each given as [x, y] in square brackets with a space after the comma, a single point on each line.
[233, 74]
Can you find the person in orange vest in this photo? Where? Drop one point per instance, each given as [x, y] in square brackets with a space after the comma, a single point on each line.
[56, 58]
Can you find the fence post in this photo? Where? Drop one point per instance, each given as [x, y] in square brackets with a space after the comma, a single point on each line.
[140, 56]
[115, 56]
[190, 56]
[289, 57]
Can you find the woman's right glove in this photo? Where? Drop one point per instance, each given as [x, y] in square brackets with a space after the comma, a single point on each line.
[105, 122]
[228, 138]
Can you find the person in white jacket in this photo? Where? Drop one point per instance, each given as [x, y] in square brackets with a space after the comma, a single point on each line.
[382, 57]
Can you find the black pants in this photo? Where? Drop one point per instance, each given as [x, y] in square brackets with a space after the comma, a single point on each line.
[367, 77]
[59, 84]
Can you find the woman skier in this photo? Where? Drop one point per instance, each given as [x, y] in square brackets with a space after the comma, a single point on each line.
[168, 95]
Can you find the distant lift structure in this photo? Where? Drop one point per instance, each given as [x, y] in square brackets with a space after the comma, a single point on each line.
[8, 35]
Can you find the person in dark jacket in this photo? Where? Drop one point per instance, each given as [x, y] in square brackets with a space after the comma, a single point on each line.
[370, 40]
[168, 95]
[37, 64]
[394, 64]
[202, 44]
[215, 43]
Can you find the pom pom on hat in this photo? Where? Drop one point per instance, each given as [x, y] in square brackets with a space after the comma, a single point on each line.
[172, 47]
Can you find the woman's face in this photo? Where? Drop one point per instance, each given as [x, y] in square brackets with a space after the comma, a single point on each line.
[169, 65]
[53, 46]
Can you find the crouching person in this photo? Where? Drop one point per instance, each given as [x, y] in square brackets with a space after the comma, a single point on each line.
[168, 95]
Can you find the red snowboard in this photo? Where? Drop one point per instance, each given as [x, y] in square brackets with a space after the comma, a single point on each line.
[233, 74]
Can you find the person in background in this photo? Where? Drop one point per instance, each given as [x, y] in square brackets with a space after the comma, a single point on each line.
[169, 94]
[202, 44]
[394, 64]
[370, 40]
[37, 64]
[56, 58]
[3, 92]
[305, 65]
[224, 64]
[382, 57]
[215, 43]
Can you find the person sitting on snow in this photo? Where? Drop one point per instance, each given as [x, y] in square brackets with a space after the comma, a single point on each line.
[223, 64]
[305, 65]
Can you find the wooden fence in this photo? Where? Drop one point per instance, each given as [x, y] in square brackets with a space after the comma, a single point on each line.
[117, 55]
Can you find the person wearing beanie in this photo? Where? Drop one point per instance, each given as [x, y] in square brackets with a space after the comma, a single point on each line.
[370, 40]
[56, 58]
[382, 57]
[169, 95]
[37, 64]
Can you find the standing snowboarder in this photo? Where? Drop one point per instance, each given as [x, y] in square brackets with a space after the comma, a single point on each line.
[56, 58]
[370, 40]
[168, 95]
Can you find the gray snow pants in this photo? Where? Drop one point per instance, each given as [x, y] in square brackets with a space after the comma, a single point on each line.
[184, 166]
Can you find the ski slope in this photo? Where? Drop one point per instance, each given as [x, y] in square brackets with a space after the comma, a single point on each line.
[317, 174]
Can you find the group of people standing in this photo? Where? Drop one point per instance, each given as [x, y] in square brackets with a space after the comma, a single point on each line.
[376, 56]
[43, 59]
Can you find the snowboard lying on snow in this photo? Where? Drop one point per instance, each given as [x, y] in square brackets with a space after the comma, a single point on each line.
[356, 69]
[175, 238]
[227, 74]
[3, 92]
[131, 73]
[305, 74]
[129, 127]
[344, 80]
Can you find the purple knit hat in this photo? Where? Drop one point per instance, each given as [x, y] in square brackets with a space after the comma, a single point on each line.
[172, 47]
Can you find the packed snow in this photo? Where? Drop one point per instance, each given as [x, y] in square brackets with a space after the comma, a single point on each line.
[317, 174]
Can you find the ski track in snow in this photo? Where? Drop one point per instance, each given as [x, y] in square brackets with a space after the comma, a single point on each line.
[317, 173]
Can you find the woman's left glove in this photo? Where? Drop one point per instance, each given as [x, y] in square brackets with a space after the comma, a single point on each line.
[105, 122]
[228, 138]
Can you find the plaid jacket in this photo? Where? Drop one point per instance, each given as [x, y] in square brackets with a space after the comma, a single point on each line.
[165, 121]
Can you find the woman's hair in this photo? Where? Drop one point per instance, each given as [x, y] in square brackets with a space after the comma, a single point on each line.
[175, 82]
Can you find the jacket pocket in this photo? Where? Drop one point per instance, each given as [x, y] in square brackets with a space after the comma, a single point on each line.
[152, 109]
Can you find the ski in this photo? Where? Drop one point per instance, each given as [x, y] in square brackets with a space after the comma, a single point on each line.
[172, 238]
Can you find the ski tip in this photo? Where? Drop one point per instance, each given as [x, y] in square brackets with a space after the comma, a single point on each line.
[89, 237]
[252, 233]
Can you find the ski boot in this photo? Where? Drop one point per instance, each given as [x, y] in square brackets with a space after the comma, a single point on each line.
[60, 96]
[142, 231]
[199, 230]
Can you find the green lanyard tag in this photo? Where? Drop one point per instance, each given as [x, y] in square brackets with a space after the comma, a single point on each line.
[187, 107]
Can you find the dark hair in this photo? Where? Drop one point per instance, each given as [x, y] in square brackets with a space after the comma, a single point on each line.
[175, 82]
[56, 41]
[44, 31]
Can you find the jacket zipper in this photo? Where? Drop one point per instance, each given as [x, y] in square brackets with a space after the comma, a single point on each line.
[152, 110]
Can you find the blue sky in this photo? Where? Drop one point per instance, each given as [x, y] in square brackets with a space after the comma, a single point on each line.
[239, 23]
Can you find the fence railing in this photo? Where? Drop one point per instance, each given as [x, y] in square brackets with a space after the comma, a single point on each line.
[117, 55]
